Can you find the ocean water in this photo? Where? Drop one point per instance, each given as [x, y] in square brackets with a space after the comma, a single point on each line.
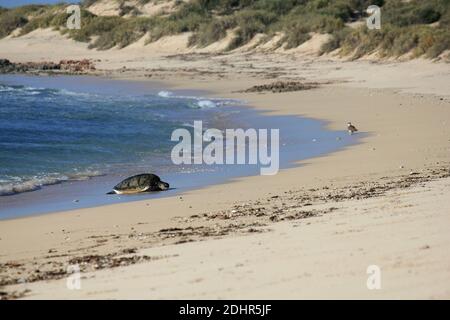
[52, 135]
[66, 140]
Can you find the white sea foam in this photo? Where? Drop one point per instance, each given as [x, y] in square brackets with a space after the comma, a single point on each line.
[72, 93]
[206, 104]
[165, 94]
[190, 125]
[4, 88]
[27, 90]
[201, 102]
[33, 93]
[19, 185]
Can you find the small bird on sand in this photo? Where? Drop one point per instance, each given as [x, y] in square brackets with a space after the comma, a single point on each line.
[351, 128]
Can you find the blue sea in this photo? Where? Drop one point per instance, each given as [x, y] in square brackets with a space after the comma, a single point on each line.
[66, 140]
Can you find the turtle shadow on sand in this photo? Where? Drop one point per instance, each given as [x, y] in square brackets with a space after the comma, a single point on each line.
[141, 193]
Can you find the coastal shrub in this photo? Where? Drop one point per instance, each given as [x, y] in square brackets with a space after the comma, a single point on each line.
[390, 41]
[10, 21]
[403, 13]
[250, 23]
[432, 43]
[336, 41]
[223, 7]
[92, 25]
[311, 23]
[210, 32]
[19, 17]
[361, 41]
[278, 7]
[53, 17]
[123, 33]
[188, 18]
[29, 10]
[297, 27]
[418, 40]
[295, 37]
[128, 10]
[340, 9]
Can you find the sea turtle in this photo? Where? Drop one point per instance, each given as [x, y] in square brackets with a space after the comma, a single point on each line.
[146, 182]
[351, 128]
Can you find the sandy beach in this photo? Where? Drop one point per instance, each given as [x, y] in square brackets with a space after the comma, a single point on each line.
[309, 232]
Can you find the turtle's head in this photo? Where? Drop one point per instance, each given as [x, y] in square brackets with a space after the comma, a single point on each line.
[163, 185]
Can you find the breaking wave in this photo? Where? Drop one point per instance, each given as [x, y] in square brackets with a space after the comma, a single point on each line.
[27, 91]
[200, 102]
[14, 185]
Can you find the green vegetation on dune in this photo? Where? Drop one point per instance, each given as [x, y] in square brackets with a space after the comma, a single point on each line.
[10, 22]
[417, 27]
[12, 19]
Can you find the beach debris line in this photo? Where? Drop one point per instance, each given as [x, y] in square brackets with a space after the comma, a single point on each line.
[91, 262]
[96, 262]
[283, 86]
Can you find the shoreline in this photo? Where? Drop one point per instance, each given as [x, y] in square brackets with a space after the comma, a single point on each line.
[406, 138]
[71, 195]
